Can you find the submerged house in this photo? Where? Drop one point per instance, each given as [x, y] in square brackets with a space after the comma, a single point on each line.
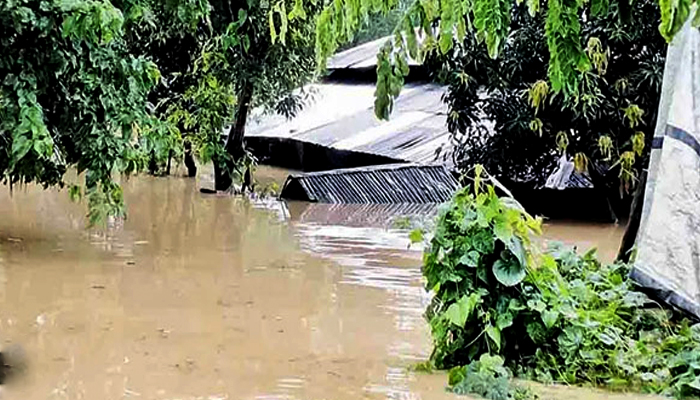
[337, 132]
[337, 128]
[363, 159]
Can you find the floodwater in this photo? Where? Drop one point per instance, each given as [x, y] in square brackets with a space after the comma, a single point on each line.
[211, 297]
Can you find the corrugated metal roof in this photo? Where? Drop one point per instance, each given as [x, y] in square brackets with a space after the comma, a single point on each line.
[401, 183]
[342, 116]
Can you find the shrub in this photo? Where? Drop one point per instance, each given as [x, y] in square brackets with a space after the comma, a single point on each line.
[552, 315]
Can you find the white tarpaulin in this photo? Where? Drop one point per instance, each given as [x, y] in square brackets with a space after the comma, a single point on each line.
[668, 242]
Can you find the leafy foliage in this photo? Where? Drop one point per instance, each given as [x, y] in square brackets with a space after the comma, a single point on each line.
[506, 117]
[116, 88]
[441, 23]
[263, 51]
[568, 319]
[71, 96]
[488, 378]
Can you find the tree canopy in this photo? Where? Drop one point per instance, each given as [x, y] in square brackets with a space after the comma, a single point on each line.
[502, 116]
[71, 95]
[436, 25]
[113, 88]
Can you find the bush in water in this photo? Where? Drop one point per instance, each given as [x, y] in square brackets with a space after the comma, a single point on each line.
[551, 316]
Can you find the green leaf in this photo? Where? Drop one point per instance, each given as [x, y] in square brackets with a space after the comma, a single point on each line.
[455, 316]
[242, 16]
[533, 7]
[20, 147]
[503, 230]
[470, 259]
[696, 18]
[495, 335]
[504, 321]
[549, 318]
[515, 246]
[416, 236]
[674, 13]
[271, 23]
[536, 305]
[536, 332]
[508, 273]
[456, 375]
[246, 43]
[458, 313]
[491, 363]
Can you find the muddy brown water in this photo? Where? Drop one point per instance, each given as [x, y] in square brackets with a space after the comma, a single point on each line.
[209, 297]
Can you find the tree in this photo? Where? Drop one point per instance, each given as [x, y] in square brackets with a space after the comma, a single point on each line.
[75, 88]
[502, 117]
[263, 53]
[171, 34]
[71, 96]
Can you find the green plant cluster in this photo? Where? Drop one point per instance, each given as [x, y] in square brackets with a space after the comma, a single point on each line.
[553, 315]
[488, 378]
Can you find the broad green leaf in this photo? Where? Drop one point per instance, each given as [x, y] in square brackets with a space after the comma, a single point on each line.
[503, 230]
[20, 147]
[495, 335]
[456, 375]
[536, 305]
[454, 315]
[458, 313]
[470, 259]
[533, 7]
[515, 245]
[515, 305]
[674, 13]
[549, 318]
[504, 321]
[491, 363]
[242, 16]
[508, 273]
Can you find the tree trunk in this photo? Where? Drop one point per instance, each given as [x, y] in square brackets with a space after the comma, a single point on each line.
[634, 221]
[234, 144]
[189, 160]
[170, 157]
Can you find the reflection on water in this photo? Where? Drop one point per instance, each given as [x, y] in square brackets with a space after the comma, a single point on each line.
[208, 297]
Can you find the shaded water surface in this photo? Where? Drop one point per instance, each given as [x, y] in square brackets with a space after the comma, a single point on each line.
[207, 297]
